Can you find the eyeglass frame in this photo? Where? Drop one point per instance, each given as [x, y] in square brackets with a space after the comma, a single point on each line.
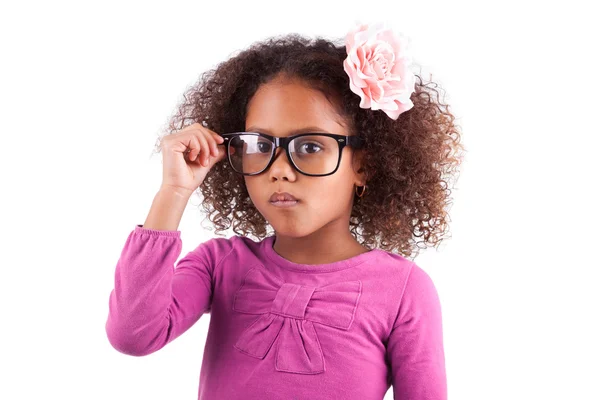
[342, 141]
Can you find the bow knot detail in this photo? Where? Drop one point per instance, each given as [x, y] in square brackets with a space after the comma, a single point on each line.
[288, 312]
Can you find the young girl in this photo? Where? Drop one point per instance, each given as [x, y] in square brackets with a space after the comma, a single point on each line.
[346, 157]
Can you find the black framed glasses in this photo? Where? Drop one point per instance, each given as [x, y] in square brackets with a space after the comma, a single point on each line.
[312, 154]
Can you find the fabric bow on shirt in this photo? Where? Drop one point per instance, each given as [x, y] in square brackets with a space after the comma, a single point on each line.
[288, 313]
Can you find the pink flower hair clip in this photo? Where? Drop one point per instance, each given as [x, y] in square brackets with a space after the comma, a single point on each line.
[378, 66]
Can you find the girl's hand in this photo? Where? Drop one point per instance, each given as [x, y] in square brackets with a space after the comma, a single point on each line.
[188, 155]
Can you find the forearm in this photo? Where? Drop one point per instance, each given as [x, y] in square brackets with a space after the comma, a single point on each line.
[167, 209]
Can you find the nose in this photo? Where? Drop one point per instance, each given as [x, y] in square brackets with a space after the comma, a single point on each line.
[281, 167]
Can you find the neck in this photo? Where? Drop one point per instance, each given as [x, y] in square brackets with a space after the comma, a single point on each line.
[327, 245]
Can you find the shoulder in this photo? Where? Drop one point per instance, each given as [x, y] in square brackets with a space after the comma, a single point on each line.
[414, 287]
[420, 300]
[218, 249]
[415, 281]
[396, 261]
[412, 275]
[391, 269]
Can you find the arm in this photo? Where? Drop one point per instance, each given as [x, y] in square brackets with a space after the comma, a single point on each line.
[167, 209]
[153, 303]
[415, 346]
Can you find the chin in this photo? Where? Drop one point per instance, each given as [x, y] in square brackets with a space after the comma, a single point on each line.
[288, 229]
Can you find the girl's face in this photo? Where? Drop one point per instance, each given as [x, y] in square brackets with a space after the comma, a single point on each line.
[278, 108]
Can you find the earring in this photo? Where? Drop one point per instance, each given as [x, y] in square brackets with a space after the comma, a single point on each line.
[364, 189]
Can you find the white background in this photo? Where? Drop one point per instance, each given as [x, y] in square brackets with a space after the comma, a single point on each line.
[86, 87]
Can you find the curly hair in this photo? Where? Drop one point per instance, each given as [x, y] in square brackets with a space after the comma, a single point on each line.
[408, 162]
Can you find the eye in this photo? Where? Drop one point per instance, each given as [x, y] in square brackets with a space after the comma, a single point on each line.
[264, 147]
[309, 147]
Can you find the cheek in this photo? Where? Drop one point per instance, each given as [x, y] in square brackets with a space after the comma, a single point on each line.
[253, 187]
[332, 193]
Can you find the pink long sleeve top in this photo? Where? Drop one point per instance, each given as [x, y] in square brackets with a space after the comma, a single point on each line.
[350, 329]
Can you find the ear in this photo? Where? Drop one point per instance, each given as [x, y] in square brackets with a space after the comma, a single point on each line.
[358, 167]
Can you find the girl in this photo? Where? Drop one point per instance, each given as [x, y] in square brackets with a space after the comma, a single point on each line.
[340, 152]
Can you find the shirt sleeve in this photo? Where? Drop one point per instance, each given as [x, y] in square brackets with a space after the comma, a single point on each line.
[153, 302]
[415, 346]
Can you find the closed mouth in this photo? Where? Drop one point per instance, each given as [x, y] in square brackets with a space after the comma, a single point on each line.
[282, 197]
[284, 203]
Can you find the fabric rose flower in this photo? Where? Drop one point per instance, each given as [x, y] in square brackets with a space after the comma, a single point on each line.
[378, 67]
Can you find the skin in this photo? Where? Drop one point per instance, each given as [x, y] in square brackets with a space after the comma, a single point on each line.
[316, 230]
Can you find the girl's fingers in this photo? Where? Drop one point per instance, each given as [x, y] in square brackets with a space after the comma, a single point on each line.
[213, 139]
[203, 143]
[194, 146]
[210, 143]
[205, 148]
[218, 138]
[214, 142]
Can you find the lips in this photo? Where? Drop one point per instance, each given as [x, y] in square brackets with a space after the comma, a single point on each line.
[283, 196]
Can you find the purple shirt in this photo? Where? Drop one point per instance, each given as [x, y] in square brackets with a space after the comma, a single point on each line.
[281, 330]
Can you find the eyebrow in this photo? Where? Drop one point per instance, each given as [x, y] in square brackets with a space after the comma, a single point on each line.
[308, 129]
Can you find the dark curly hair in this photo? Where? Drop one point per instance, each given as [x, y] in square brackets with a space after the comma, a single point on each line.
[408, 162]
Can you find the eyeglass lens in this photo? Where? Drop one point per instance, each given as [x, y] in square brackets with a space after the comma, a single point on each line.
[312, 154]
